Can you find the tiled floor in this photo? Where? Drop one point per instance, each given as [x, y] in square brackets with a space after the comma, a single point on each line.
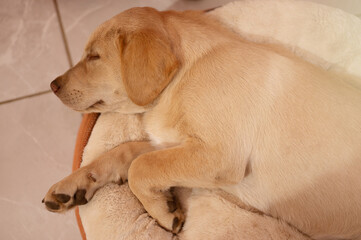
[38, 133]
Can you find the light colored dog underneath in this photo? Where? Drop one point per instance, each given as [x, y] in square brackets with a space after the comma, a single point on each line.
[279, 133]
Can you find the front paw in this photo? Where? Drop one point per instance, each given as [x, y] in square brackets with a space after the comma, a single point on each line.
[69, 192]
[172, 219]
[60, 202]
[76, 189]
[162, 206]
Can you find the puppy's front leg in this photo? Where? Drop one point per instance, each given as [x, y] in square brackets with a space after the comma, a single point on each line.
[79, 187]
[189, 165]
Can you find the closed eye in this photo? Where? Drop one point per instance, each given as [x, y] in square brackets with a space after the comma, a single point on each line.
[92, 57]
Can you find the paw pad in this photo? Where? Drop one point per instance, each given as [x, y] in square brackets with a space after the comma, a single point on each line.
[62, 198]
[79, 197]
[52, 205]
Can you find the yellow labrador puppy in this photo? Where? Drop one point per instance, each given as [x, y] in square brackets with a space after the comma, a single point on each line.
[280, 134]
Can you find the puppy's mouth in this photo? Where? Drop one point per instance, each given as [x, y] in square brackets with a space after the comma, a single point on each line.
[96, 104]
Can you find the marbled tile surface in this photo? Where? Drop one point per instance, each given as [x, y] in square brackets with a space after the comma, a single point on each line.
[36, 151]
[31, 49]
[81, 17]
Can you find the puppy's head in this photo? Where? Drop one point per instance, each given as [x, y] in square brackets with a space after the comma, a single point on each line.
[128, 61]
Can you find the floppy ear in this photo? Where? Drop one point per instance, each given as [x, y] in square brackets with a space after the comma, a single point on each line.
[148, 64]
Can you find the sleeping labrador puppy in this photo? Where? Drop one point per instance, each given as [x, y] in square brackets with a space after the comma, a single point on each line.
[280, 134]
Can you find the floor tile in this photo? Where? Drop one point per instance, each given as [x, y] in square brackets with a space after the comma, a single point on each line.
[31, 48]
[81, 17]
[37, 141]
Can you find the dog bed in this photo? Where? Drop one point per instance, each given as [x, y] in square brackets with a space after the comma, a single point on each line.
[322, 35]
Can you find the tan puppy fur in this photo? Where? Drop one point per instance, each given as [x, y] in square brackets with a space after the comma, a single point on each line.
[280, 134]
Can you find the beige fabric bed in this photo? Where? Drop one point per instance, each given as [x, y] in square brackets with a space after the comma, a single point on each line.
[325, 36]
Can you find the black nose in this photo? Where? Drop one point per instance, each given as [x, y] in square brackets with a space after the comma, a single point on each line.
[54, 85]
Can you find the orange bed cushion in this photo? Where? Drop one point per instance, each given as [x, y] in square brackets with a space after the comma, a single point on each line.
[85, 129]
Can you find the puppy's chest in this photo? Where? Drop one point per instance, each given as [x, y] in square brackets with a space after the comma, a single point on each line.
[160, 132]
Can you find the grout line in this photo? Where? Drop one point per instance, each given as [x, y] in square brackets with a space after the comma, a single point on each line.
[67, 55]
[26, 96]
[66, 45]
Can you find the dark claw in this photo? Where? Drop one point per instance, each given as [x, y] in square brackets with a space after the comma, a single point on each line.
[120, 182]
[63, 198]
[175, 224]
[91, 177]
[79, 197]
[52, 205]
[172, 206]
[42, 200]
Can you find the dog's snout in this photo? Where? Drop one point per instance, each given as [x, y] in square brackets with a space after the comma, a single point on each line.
[54, 85]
